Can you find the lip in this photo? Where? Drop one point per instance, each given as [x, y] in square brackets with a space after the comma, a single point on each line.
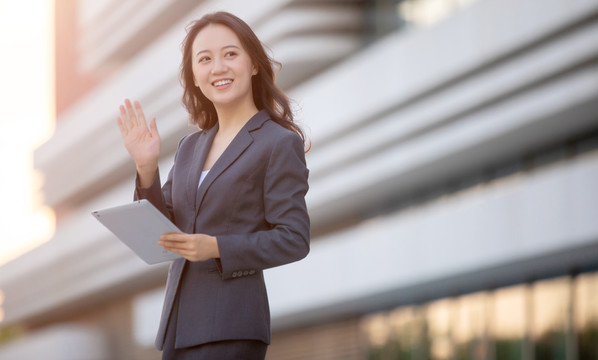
[222, 83]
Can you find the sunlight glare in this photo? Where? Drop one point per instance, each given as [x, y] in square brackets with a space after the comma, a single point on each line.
[27, 93]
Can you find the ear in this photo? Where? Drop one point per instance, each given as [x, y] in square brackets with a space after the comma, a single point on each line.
[253, 70]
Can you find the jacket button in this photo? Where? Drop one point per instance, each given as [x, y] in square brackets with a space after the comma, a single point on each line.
[234, 274]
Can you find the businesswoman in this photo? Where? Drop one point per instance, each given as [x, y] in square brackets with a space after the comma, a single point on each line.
[236, 191]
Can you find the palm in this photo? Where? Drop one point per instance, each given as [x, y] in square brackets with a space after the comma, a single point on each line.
[142, 142]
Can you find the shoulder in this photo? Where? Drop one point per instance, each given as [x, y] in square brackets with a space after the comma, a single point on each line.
[190, 139]
[267, 130]
[187, 145]
[277, 135]
[284, 147]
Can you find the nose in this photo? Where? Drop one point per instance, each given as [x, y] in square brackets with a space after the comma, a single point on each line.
[219, 66]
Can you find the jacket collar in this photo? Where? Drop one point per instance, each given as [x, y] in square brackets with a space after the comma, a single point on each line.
[238, 145]
[256, 121]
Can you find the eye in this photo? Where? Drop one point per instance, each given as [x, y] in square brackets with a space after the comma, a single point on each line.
[203, 59]
[230, 54]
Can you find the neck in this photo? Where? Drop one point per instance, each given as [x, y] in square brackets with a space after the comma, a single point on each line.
[232, 118]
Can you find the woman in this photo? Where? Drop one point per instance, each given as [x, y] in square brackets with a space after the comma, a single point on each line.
[236, 191]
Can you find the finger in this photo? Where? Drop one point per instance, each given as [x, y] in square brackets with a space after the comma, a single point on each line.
[174, 250]
[178, 243]
[153, 127]
[173, 237]
[178, 250]
[186, 254]
[140, 114]
[172, 246]
[126, 118]
[122, 127]
[131, 112]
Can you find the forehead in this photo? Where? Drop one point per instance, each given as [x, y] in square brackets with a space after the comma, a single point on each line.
[214, 37]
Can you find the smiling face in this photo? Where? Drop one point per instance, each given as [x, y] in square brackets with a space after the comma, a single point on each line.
[222, 69]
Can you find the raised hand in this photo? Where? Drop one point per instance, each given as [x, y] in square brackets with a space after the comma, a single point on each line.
[142, 143]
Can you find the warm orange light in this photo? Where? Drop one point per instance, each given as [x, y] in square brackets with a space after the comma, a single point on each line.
[27, 96]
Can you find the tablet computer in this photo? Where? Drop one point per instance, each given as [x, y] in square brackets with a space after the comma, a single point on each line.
[139, 225]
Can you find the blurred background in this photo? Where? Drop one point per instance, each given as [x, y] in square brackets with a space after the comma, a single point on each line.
[454, 172]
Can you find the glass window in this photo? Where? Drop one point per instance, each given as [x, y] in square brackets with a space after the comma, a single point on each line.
[586, 316]
[549, 320]
[439, 318]
[509, 322]
[470, 328]
[554, 319]
[399, 334]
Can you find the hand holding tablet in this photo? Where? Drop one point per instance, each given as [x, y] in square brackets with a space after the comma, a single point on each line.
[139, 225]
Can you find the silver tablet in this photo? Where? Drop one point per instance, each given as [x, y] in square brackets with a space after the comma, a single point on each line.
[139, 225]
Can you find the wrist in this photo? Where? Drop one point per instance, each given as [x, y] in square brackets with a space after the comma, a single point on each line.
[146, 176]
[147, 169]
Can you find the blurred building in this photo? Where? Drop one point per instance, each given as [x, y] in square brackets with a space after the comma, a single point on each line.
[454, 173]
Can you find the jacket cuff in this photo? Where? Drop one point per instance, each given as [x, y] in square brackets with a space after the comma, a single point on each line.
[152, 192]
[228, 272]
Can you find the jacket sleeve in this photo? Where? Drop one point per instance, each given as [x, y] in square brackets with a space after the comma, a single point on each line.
[160, 197]
[287, 240]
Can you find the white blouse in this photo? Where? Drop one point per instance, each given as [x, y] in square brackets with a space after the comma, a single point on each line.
[203, 176]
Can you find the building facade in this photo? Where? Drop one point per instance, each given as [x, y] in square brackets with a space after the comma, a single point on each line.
[453, 180]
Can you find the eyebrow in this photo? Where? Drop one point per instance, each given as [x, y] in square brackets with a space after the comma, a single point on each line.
[224, 47]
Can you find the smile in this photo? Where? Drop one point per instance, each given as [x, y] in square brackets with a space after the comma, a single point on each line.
[222, 82]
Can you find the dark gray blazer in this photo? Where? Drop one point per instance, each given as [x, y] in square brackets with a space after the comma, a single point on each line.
[253, 201]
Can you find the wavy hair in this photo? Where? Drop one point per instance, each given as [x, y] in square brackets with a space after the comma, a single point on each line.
[266, 95]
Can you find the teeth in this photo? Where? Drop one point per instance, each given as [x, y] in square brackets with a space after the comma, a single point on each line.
[222, 82]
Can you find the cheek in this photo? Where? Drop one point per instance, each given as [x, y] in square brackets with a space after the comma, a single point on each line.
[250, 69]
[197, 75]
[200, 83]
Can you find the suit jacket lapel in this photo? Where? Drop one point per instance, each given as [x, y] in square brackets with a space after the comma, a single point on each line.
[202, 148]
[232, 152]
[241, 142]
